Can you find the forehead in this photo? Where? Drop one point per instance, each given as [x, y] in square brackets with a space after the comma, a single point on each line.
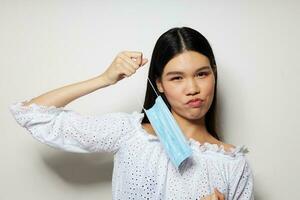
[188, 61]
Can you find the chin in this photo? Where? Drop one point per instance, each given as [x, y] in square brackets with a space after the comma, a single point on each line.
[195, 115]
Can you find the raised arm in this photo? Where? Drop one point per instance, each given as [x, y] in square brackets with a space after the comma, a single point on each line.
[122, 66]
[47, 121]
[64, 95]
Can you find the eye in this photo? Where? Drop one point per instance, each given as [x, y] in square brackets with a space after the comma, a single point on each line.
[175, 78]
[201, 73]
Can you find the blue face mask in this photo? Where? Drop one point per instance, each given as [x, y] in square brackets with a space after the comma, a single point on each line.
[168, 132]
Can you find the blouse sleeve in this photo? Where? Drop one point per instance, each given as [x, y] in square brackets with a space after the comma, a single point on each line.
[241, 181]
[70, 131]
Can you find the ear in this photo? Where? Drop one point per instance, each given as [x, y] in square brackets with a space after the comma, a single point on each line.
[159, 85]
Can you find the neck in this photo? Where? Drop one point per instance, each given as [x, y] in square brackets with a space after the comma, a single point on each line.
[195, 129]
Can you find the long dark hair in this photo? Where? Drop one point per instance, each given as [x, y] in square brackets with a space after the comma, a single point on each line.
[169, 44]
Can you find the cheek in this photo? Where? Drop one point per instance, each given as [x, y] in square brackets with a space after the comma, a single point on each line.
[208, 86]
[209, 93]
[210, 89]
[173, 94]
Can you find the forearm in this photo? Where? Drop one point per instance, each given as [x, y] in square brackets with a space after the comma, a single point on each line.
[64, 95]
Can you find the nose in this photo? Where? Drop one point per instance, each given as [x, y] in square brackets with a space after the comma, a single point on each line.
[192, 87]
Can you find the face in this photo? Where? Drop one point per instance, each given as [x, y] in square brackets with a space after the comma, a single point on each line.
[185, 77]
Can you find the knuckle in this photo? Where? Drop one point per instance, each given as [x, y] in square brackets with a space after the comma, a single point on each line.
[135, 66]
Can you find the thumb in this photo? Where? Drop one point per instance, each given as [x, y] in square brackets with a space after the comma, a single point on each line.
[140, 60]
[144, 61]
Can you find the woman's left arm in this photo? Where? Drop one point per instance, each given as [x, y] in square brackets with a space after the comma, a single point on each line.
[241, 185]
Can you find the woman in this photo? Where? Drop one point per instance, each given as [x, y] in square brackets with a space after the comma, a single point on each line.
[184, 71]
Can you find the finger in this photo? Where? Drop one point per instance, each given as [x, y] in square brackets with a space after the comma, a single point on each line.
[127, 65]
[129, 61]
[127, 68]
[219, 194]
[145, 60]
[214, 197]
[135, 54]
[216, 191]
[141, 61]
[205, 198]
[138, 60]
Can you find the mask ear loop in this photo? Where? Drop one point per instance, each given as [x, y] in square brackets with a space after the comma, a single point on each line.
[138, 98]
[152, 86]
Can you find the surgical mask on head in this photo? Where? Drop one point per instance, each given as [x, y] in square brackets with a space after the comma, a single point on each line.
[168, 132]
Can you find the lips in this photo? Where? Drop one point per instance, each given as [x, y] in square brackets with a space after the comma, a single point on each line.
[195, 100]
[195, 103]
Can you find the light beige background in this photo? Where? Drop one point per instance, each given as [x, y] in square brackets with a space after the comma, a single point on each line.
[48, 44]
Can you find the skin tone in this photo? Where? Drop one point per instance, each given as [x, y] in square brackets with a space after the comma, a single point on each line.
[185, 77]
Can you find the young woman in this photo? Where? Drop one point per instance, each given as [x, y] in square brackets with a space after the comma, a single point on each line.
[184, 72]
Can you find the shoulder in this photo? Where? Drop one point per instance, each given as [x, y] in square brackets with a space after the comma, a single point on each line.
[227, 146]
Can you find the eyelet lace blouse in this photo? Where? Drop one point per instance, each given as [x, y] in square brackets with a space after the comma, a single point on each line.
[142, 169]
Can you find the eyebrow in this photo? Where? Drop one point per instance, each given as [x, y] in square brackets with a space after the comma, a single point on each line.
[178, 72]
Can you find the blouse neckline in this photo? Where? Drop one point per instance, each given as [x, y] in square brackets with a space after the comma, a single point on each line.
[203, 147]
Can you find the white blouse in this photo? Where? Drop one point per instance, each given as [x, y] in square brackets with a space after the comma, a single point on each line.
[142, 169]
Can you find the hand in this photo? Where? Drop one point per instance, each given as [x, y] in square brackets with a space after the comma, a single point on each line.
[217, 195]
[124, 65]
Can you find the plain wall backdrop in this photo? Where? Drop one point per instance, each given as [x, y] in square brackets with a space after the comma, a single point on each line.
[49, 44]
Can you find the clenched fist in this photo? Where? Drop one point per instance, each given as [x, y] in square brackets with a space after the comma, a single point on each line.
[124, 65]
